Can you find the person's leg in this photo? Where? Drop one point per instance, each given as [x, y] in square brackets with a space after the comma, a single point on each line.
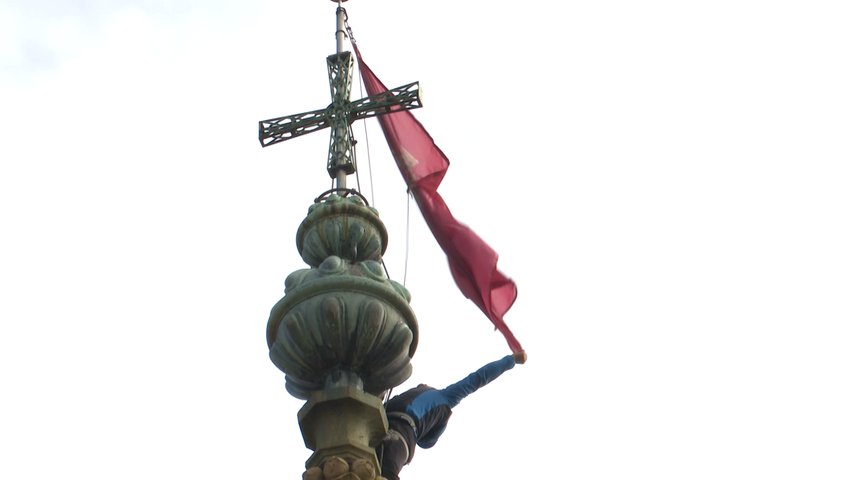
[395, 454]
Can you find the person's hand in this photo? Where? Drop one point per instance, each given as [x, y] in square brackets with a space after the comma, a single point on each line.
[520, 357]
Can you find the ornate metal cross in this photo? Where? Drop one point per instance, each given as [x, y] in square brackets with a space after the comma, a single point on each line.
[339, 115]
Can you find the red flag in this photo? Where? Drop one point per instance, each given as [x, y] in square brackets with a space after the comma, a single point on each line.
[473, 263]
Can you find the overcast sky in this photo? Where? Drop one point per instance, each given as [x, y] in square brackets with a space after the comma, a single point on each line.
[669, 184]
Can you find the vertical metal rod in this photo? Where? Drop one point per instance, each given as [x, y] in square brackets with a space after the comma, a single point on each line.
[340, 175]
[339, 32]
[341, 179]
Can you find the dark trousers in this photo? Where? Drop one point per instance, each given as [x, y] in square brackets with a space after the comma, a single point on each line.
[395, 454]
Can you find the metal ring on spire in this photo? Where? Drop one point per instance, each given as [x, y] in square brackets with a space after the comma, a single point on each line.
[344, 192]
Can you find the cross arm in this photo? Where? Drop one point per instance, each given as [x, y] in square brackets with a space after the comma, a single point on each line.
[279, 129]
[407, 97]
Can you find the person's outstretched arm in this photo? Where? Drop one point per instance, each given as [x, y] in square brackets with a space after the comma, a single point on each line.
[470, 384]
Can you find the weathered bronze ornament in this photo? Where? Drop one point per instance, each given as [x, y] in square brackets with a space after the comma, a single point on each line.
[342, 320]
[344, 332]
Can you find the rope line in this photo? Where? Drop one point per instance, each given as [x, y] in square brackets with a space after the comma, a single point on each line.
[351, 38]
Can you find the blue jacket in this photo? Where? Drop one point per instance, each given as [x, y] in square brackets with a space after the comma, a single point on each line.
[430, 408]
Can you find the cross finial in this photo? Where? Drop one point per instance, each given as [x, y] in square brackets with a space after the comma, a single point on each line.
[340, 114]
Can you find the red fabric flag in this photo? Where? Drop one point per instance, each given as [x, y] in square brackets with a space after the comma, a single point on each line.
[473, 263]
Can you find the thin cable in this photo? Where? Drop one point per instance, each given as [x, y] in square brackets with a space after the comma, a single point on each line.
[366, 136]
[408, 229]
[367, 145]
[351, 38]
[355, 162]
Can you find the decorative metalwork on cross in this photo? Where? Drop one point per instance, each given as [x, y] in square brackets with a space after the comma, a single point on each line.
[340, 114]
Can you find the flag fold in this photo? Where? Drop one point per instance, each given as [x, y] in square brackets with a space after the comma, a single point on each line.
[473, 263]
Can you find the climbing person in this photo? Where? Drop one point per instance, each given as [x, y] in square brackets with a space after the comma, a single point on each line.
[419, 416]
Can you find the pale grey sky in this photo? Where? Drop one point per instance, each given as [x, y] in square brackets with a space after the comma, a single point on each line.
[667, 182]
